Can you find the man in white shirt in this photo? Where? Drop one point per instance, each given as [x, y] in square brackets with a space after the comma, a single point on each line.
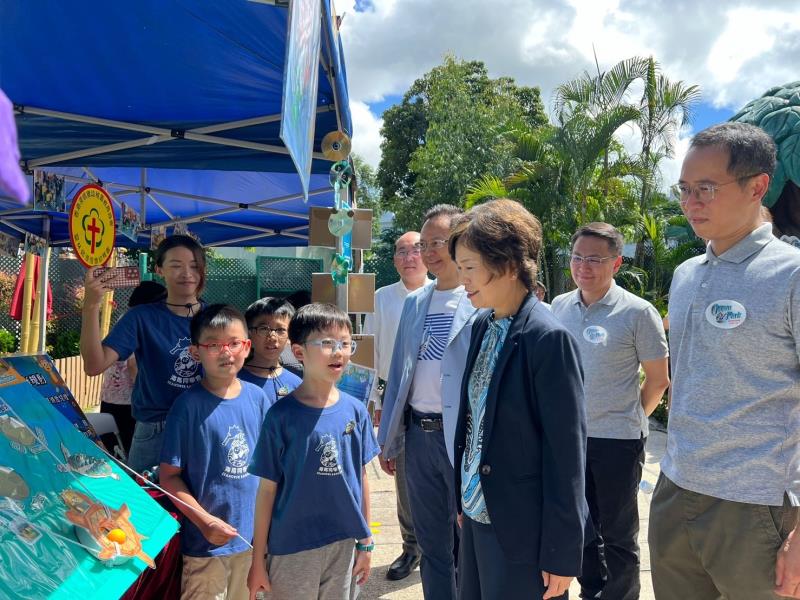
[383, 325]
[421, 402]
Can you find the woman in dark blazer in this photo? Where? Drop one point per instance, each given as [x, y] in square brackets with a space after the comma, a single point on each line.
[520, 440]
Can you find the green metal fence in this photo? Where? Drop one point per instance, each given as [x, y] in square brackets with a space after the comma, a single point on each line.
[231, 281]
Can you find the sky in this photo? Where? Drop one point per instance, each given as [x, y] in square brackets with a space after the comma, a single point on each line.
[735, 50]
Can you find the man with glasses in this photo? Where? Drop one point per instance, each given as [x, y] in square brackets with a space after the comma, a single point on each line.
[383, 325]
[723, 515]
[617, 332]
[421, 402]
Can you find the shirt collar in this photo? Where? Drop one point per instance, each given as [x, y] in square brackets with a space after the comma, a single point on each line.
[745, 248]
[611, 296]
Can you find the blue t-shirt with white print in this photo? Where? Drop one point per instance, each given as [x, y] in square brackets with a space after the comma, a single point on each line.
[160, 341]
[316, 456]
[211, 439]
[274, 387]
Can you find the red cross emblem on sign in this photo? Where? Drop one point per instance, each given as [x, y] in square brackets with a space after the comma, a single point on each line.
[94, 230]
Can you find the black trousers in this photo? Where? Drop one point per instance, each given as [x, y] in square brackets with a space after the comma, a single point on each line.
[611, 561]
[484, 573]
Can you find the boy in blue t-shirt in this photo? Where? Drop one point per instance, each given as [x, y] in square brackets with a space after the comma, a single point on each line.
[210, 432]
[313, 499]
[268, 324]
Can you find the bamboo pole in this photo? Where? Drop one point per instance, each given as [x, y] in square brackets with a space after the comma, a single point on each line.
[27, 297]
[36, 324]
[108, 303]
[44, 280]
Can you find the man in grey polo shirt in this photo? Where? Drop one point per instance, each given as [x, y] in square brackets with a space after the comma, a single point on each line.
[725, 504]
[616, 333]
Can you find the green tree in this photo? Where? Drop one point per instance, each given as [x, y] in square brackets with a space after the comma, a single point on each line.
[664, 107]
[567, 175]
[447, 130]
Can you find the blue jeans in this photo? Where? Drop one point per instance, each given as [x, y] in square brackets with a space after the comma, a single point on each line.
[146, 446]
[431, 491]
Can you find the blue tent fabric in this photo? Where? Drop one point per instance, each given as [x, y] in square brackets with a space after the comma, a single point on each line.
[172, 64]
[244, 188]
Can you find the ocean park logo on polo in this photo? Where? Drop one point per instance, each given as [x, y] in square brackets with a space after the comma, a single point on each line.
[726, 314]
[594, 334]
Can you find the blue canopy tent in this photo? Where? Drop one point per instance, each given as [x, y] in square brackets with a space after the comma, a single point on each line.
[174, 105]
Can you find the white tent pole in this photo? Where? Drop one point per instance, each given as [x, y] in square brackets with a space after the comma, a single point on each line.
[56, 158]
[196, 218]
[161, 206]
[327, 67]
[142, 195]
[159, 135]
[242, 225]
[56, 114]
[14, 227]
[128, 189]
[44, 279]
[13, 211]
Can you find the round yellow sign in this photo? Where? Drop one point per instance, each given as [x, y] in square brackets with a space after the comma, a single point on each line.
[92, 225]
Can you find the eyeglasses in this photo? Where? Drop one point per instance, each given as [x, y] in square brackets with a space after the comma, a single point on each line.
[704, 192]
[265, 331]
[432, 245]
[234, 347]
[329, 346]
[589, 260]
[401, 254]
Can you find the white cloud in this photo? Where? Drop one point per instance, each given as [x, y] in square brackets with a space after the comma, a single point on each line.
[735, 50]
[367, 133]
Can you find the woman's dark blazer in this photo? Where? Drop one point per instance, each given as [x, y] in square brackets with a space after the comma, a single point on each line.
[534, 441]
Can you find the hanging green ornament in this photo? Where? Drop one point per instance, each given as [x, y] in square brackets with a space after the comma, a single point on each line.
[341, 174]
[340, 223]
[340, 267]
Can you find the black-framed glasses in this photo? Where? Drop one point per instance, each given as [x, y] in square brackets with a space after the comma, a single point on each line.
[216, 348]
[266, 331]
[593, 261]
[434, 244]
[704, 192]
[329, 346]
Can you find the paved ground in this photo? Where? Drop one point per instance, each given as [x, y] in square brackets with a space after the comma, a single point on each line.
[388, 541]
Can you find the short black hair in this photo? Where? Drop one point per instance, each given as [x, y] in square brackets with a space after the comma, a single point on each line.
[316, 317]
[442, 210]
[603, 231]
[214, 316]
[279, 307]
[147, 292]
[751, 151]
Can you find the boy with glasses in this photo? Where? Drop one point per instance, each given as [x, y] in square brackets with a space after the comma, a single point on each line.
[268, 324]
[724, 512]
[617, 332]
[312, 508]
[210, 432]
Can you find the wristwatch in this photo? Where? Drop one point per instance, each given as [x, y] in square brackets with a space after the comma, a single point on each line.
[365, 547]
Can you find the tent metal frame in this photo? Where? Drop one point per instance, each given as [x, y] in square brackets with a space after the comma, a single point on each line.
[157, 135]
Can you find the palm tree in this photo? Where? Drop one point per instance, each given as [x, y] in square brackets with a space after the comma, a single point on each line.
[666, 107]
[558, 167]
[597, 94]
